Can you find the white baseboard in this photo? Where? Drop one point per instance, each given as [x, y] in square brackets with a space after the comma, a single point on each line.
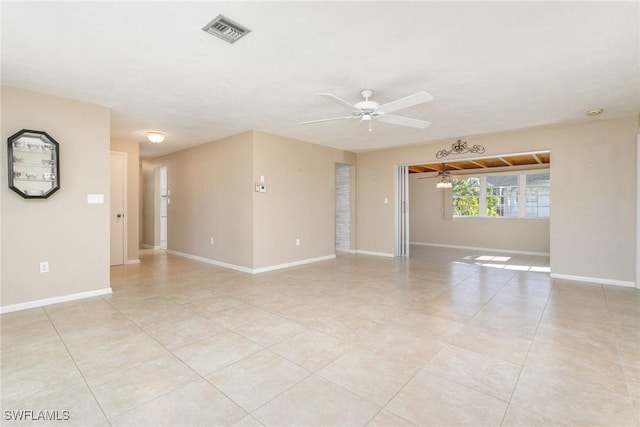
[476, 248]
[54, 300]
[597, 280]
[384, 254]
[293, 264]
[251, 270]
[212, 261]
[146, 246]
[133, 261]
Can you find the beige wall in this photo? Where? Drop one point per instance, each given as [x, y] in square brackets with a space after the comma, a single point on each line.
[64, 230]
[211, 196]
[429, 223]
[132, 149]
[592, 226]
[299, 202]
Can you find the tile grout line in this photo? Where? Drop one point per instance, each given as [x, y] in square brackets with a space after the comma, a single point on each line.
[186, 365]
[76, 365]
[524, 362]
[635, 408]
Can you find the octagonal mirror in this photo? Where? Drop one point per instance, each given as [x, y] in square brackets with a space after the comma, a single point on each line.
[34, 165]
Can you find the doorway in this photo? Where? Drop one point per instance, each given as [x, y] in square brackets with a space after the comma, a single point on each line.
[343, 175]
[512, 186]
[162, 202]
[118, 220]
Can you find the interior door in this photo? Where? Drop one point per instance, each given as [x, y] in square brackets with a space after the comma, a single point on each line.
[118, 220]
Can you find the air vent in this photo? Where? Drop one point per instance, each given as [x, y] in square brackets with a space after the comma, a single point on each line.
[226, 29]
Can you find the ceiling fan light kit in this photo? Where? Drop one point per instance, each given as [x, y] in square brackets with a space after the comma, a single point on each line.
[444, 184]
[445, 179]
[368, 110]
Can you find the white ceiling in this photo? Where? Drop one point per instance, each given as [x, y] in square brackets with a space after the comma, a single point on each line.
[491, 66]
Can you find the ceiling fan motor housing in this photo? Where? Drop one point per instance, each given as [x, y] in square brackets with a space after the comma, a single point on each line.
[367, 106]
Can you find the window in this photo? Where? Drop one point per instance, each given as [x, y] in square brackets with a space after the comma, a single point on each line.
[523, 195]
[538, 204]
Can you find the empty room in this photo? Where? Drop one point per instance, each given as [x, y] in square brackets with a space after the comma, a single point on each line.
[320, 213]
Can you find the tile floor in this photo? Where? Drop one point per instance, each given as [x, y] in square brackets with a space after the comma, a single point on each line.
[447, 337]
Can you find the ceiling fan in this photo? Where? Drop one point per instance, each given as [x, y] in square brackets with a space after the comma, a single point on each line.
[368, 110]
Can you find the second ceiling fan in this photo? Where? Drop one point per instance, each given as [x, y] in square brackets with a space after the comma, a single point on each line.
[368, 110]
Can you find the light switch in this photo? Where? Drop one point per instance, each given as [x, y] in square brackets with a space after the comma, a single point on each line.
[95, 199]
[386, 200]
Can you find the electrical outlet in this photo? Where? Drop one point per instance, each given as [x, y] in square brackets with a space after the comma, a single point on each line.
[44, 267]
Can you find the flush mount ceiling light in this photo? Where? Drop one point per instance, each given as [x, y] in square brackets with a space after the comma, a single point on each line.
[595, 112]
[226, 29]
[155, 137]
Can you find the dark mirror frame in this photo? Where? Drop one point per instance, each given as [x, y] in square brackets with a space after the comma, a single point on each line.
[47, 170]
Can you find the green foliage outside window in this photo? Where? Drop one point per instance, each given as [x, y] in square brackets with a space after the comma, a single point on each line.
[466, 198]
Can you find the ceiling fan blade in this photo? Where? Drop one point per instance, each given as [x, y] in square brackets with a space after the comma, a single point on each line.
[338, 101]
[326, 120]
[406, 102]
[404, 121]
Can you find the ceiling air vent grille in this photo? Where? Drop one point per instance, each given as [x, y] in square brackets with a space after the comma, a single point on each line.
[226, 29]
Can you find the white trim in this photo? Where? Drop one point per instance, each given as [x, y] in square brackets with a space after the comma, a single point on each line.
[476, 248]
[133, 261]
[638, 208]
[125, 204]
[251, 270]
[384, 254]
[212, 261]
[293, 264]
[598, 280]
[148, 246]
[54, 300]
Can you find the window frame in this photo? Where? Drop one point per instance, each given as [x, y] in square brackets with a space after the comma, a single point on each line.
[522, 195]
